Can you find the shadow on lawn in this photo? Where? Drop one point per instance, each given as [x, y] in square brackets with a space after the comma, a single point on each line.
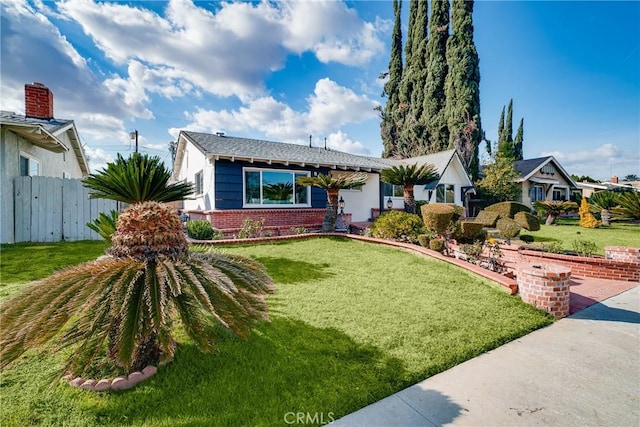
[285, 366]
[285, 270]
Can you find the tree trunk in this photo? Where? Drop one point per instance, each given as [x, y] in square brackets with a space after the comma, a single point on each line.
[331, 214]
[409, 199]
[605, 217]
[551, 219]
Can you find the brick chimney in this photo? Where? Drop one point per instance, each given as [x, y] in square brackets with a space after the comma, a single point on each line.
[38, 101]
[614, 179]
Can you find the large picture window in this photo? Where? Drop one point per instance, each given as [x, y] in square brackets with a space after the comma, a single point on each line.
[274, 187]
[445, 193]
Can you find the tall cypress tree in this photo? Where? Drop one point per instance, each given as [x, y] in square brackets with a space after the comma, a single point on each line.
[414, 137]
[389, 129]
[508, 125]
[501, 127]
[406, 87]
[518, 141]
[463, 86]
[434, 98]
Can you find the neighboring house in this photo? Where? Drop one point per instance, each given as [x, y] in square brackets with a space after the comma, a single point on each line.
[588, 188]
[542, 179]
[238, 178]
[35, 144]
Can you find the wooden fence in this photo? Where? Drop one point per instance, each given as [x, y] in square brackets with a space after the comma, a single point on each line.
[55, 209]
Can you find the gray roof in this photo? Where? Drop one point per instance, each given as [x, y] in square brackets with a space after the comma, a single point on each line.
[230, 147]
[53, 125]
[527, 166]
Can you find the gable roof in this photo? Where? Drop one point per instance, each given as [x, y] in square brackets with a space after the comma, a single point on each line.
[45, 134]
[441, 162]
[234, 148]
[528, 167]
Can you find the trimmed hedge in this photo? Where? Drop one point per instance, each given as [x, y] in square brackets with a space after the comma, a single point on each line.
[436, 245]
[471, 229]
[527, 221]
[424, 240]
[437, 217]
[488, 218]
[508, 209]
[508, 228]
[199, 229]
[398, 225]
[458, 210]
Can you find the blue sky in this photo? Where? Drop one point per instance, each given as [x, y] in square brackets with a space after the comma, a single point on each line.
[286, 70]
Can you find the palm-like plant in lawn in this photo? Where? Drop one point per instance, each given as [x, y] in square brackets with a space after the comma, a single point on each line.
[553, 208]
[407, 176]
[332, 185]
[604, 201]
[122, 308]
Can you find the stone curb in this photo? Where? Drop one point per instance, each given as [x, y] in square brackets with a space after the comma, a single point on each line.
[115, 384]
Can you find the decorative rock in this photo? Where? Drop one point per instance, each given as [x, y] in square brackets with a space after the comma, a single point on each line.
[88, 384]
[77, 382]
[135, 377]
[149, 371]
[119, 383]
[103, 385]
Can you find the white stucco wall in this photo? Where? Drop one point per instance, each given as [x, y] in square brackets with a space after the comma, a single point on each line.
[359, 202]
[193, 162]
[51, 164]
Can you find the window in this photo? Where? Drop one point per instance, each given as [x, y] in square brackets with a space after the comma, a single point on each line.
[445, 193]
[199, 183]
[29, 166]
[274, 187]
[560, 194]
[389, 190]
[537, 193]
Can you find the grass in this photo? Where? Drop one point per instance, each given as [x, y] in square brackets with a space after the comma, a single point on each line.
[568, 230]
[24, 262]
[352, 322]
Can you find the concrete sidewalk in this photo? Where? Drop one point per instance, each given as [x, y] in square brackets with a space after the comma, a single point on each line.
[583, 370]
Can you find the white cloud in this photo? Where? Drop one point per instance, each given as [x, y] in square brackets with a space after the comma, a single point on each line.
[330, 107]
[341, 142]
[600, 163]
[97, 158]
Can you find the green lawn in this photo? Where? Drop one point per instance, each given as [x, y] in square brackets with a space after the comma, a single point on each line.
[567, 231]
[352, 322]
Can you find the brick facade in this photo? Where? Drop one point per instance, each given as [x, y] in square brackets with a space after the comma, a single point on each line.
[622, 253]
[545, 287]
[274, 219]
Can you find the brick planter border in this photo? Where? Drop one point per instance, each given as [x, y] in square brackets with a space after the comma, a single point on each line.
[115, 384]
[546, 287]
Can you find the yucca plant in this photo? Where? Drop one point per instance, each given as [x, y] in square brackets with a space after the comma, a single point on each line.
[629, 205]
[408, 176]
[332, 185]
[603, 202]
[123, 308]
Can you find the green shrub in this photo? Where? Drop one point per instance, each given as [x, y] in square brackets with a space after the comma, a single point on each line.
[458, 211]
[299, 230]
[487, 218]
[437, 217]
[585, 247]
[251, 229]
[398, 225]
[526, 238]
[507, 209]
[424, 240]
[200, 229]
[105, 225]
[436, 245]
[470, 229]
[419, 205]
[629, 208]
[508, 228]
[553, 247]
[527, 221]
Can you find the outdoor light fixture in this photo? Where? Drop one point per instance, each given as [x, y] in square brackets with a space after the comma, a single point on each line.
[134, 137]
[389, 203]
[341, 205]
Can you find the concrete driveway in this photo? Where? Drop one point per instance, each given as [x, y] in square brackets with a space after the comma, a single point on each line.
[583, 370]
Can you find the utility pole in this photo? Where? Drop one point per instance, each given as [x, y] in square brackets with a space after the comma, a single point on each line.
[134, 136]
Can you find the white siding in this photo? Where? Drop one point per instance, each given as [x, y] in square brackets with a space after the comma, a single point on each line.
[360, 202]
[193, 162]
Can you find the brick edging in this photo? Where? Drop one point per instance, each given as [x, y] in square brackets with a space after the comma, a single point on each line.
[114, 384]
